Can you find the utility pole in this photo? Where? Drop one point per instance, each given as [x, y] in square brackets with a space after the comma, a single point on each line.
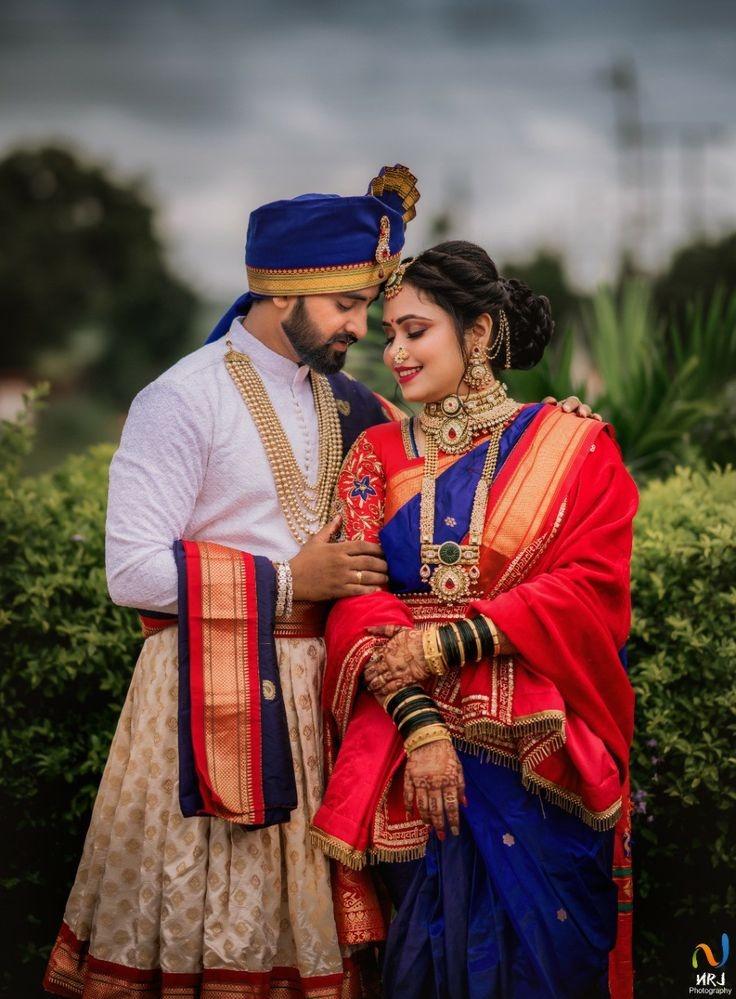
[623, 81]
[641, 152]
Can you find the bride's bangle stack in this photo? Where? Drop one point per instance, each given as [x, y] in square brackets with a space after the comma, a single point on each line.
[417, 718]
[448, 646]
[445, 647]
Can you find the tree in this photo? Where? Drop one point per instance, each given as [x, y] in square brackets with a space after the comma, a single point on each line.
[83, 277]
[695, 273]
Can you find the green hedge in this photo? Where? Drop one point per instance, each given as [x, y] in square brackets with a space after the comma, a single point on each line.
[682, 654]
[69, 654]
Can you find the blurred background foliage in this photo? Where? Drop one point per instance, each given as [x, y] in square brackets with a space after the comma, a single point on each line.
[86, 290]
[96, 309]
[92, 305]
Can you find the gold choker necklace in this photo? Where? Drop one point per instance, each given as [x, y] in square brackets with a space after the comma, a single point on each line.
[456, 420]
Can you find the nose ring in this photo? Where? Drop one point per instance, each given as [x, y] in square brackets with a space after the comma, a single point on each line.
[401, 355]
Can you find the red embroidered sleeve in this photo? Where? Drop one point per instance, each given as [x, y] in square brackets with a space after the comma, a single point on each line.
[360, 493]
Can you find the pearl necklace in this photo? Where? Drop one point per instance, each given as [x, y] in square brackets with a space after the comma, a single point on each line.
[305, 506]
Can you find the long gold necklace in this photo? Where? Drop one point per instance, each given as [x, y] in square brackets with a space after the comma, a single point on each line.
[305, 506]
[450, 568]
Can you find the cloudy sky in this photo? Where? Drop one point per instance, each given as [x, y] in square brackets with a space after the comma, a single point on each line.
[502, 108]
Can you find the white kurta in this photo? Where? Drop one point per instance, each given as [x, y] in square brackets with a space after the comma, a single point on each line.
[191, 465]
[155, 890]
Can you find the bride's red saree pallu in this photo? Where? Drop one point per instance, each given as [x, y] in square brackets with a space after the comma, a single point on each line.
[554, 578]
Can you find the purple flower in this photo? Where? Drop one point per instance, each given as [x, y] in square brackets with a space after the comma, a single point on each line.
[639, 800]
[652, 743]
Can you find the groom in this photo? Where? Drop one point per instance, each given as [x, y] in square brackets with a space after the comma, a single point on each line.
[198, 875]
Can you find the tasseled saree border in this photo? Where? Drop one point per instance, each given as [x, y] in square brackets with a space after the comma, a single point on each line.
[234, 755]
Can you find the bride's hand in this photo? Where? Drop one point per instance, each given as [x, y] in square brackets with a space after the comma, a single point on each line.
[434, 780]
[398, 663]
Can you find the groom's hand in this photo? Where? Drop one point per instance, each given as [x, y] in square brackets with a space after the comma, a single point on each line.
[573, 405]
[326, 570]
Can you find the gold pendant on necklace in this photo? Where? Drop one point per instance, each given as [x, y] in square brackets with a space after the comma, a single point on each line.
[456, 572]
[453, 433]
[452, 569]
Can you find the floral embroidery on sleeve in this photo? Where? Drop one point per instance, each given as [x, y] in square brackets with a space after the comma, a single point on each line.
[360, 493]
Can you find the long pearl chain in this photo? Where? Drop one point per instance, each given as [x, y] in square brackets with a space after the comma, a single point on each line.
[305, 506]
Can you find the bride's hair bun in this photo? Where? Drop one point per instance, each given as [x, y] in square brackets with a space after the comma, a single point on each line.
[530, 320]
[463, 280]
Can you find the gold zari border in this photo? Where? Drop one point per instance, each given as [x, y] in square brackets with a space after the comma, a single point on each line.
[337, 849]
[321, 280]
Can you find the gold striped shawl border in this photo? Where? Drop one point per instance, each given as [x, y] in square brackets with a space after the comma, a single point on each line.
[307, 620]
[519, 514]
[225, 600]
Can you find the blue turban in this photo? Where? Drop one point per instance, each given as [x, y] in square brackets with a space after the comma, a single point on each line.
[319, 243]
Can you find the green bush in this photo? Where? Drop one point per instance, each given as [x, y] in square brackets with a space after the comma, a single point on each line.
[682, 656]
[68, 654]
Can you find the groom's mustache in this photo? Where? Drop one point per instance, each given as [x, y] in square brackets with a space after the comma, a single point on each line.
[346, 338]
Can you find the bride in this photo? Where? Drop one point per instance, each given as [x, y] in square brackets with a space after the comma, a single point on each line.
[478, 713]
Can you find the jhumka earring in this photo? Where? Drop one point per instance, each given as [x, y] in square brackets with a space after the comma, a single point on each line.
[477, 371]
[502, 340]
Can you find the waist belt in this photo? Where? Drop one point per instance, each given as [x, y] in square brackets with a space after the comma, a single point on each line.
[307, 620]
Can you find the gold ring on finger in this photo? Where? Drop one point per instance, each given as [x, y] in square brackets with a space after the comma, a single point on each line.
[360, 576]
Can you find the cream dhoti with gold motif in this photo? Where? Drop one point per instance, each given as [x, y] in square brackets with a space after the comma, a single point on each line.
[165, 905]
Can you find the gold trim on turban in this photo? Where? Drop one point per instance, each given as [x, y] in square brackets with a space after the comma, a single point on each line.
[321, 280]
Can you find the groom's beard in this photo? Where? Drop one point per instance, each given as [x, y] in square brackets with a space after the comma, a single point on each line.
[306, 340]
